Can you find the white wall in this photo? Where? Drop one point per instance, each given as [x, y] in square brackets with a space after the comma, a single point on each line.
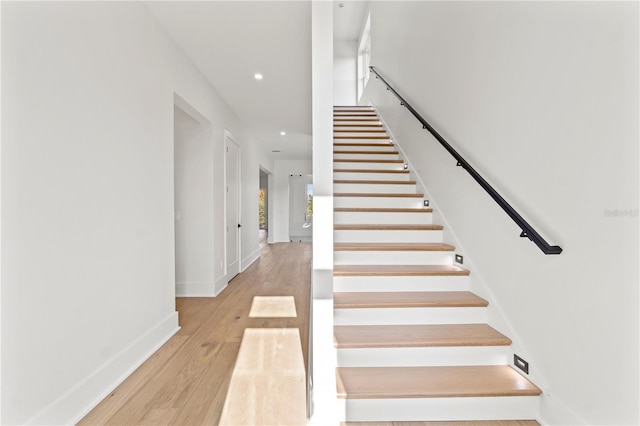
[542, 98]
[194, 204]
[345, 60]
[322, 356]
[253, 156]
[87, 199]
[280, 212]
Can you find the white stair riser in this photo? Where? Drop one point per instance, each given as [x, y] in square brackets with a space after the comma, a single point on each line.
[393, 258]
[381, 218]
[401, 283]
[372, 188]
[383, 147]
[380, 316]
[352, 121]
[413, 236]
[368, 156]
[352, 113]
[442, 409]
[378, 202]
[368, 133]
[367, 165]
[370, 176]
[424, 357]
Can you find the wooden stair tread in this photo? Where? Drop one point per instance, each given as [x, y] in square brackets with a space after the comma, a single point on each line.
[360, 144]
[369, 171]
[356, 160]
[367, 152]
[362, 137]
[357, 125]
[386, 227]
[392, 247]
[364, 144]
[382, 210]
[432, 382]
[407, 299]
[421, 335]
[398, 270]
[358, 119]
[376, 194]
[360, 131]
[448, 423]
[377, 182]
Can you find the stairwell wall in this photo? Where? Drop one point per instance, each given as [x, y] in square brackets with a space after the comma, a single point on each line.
[88, 94]
[542, 99]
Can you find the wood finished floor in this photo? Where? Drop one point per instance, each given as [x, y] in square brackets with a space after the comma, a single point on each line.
[185, 382]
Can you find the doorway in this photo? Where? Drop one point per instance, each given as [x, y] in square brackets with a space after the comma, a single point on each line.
[194, 202]
[263, 208]
[232, 206]
[300, 207]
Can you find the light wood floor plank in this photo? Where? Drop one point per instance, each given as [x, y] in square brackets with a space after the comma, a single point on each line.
[268, 381]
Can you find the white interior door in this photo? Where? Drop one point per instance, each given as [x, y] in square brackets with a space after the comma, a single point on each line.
[232, 205]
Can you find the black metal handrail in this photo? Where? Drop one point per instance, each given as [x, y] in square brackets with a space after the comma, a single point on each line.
[527, 230]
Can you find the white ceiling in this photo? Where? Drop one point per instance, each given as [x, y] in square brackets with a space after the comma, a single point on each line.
[348, 19]
[230, 41]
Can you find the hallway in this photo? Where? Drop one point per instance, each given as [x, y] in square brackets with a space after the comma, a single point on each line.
[186, 381]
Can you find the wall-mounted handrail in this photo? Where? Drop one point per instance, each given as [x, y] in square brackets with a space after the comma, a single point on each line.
[527, 230]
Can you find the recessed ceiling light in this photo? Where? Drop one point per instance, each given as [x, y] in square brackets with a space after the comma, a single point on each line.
[258, 76]
[283, 133]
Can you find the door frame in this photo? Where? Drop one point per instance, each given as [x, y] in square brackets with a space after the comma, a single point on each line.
[230, 139]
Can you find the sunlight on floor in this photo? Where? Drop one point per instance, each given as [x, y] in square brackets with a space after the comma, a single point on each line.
[273, 307]
[268, 382]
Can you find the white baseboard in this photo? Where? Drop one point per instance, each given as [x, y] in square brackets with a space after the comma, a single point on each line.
[76, 403]
[554, 412]
[195, 289]
[201, 288]
[247, 261]
[220, 284]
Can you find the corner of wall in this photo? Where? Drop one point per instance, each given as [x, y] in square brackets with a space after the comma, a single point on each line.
[96, 387]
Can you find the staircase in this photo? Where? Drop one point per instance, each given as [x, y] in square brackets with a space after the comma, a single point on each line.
[412, 341]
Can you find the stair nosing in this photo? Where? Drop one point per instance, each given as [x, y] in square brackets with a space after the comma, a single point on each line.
[434, 382]
[382, 210]
[398, 270]
[338, 246]
[417, 335]
[366, 152]
[376, 195]
[375, 182]
[369, 171]
[356, 160]
[386, 227]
